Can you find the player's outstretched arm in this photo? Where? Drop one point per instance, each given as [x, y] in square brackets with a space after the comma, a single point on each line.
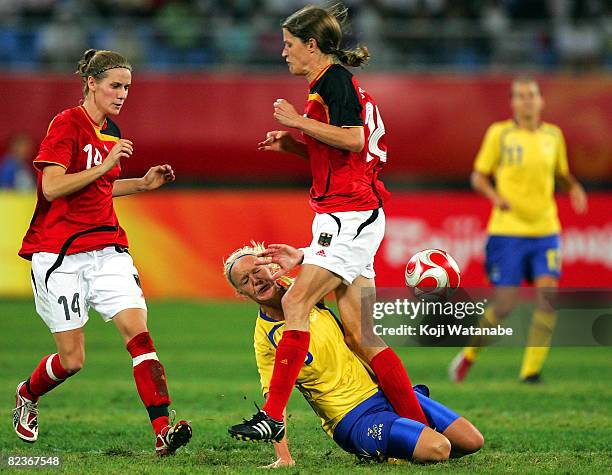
[283, 456]
[286, 257]
[153, 179]
[286, 461]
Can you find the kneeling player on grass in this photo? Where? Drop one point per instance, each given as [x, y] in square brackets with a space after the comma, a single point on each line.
[353, 409]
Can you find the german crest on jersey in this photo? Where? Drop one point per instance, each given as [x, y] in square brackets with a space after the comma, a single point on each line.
[325, 239]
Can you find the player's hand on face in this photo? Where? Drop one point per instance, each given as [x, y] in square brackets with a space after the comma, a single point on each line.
[281, 462]
[158, 176]
[285, 113]
[276, 141]
[579, 199]
[286, 257]
[123, 149]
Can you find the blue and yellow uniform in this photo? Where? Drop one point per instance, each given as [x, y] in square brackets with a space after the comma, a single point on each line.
[339, 388]
[524, 240]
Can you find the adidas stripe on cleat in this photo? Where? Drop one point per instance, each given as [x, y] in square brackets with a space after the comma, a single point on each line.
[259, 427]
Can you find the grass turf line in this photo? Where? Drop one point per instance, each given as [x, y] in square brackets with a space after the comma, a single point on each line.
[97, 423]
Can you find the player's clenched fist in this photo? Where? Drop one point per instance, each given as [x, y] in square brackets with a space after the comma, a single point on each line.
[285, 113]
[123, 148]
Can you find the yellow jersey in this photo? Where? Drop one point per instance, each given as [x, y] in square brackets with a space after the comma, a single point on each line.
[333, 380]
[524, 164]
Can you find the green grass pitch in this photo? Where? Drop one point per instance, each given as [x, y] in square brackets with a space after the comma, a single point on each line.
[97, 424]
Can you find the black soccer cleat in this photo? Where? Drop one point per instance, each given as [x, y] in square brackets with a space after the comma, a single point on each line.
[260, 427]
[173, 436]
[532, 379]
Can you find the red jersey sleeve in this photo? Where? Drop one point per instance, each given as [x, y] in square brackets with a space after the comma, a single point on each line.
[58, 145]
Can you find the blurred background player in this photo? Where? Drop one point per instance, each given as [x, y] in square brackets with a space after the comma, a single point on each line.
[337, 385]
[15, 167]
[344, 141]
[524, 156]
[79, 252]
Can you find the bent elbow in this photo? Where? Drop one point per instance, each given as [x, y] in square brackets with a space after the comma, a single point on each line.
[356, 146]
[475, 180]
[49, 195]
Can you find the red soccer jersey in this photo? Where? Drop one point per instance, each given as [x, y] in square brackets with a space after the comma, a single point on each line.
[84, 220]
[343, 180]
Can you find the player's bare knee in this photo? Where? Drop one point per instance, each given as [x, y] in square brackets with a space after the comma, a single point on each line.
[470, 441]
[464, 437]
[474, 441]
[440, 450]
[437, 450]
[432, 447]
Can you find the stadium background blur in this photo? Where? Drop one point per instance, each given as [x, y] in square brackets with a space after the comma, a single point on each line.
[207, 72]
[205, 76]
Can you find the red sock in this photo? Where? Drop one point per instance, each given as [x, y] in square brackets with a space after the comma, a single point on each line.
[394, 382]
[150, 379]
[48, 374]
[290, 355]
[159, 423]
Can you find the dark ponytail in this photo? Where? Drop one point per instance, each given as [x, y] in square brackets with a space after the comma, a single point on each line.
[95, 63]
[353, 57]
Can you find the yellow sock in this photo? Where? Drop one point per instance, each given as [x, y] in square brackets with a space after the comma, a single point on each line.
[538, 342]
[489, 320]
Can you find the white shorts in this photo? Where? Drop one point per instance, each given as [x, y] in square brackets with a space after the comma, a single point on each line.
[346, 242]
[105, 280]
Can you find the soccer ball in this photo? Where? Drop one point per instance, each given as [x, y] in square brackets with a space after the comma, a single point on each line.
[433, 274]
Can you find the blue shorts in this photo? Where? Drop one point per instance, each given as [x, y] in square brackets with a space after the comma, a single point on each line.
[374, 430]
[510, 259]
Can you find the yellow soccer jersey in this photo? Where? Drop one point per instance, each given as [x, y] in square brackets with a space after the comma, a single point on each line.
[524, 164]
[333, 380]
